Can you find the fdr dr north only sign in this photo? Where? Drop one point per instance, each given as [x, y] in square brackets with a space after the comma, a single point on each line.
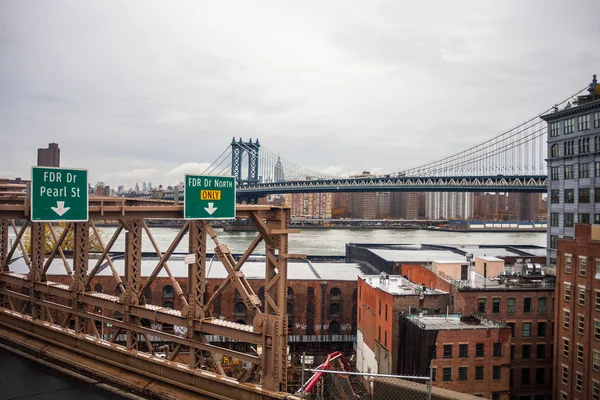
[209, 197]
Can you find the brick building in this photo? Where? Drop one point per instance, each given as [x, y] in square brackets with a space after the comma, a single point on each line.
[515, 295]
[381, 300]
[467, 354]
[577, 348]
[49, 157]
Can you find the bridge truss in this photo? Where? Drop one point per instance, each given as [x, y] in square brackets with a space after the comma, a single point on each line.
[64, 316]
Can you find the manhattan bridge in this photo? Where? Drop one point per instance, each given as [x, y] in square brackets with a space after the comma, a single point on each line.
[512, 161]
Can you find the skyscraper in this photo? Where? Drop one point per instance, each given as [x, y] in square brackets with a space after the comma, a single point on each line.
[278, 175]
[49, 157]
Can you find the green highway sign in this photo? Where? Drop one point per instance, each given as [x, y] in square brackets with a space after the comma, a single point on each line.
[59, 194]
[209, 197]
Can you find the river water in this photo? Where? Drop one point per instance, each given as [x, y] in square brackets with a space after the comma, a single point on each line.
[331, 242]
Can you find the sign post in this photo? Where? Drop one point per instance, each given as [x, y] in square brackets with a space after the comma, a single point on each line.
[209, 197]
[59, 195]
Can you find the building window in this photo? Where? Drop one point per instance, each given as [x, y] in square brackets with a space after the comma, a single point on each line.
[578, 381]
[583, 218]
[481, 305]
[525, 376]
[582, 265]
[479, 373]
[334, 310]
[569, 196]
[497, 349]
[512, 351]
[564, 396]
[581, 296]
[447, 351]
[479, 352]
[541, 329]
[539, 376]
[334, 328]
[463, 351]
[555, 196]
[433, 374]
[580, 353]
[386, 311]
[597, 120]
[597, 276]
[554, 173]
[495, 306]
[553, 241]
[335, 293]
[567, 291]
[553, 219]
[240, 309]
[168, 304]
[385, 339]
[511, 305]
[310, 292]
[584, 195]
[595, 387]
[584, 171]
[541, 351]
[596, 360]
[554, 128]
[526, 351]
[597, 300]
[526, 329]
[583, 122]
[569, 171]
[496, 372]
[569, 220]
[596, 330]
[584, 145]
[566, 318]
[511, 325]
[569, 147]
[447, 374]
[565, 347]
[527, 305]
[168, 292]
[554, 150]
[542, 305]
[462, 374]
[565, 374]
[569, 126]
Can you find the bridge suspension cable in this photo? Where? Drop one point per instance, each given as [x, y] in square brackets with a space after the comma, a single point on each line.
[520, 150]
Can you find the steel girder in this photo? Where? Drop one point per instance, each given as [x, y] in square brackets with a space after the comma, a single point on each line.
[69, 307]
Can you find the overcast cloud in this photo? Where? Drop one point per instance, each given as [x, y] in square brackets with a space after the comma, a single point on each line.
[147, 90]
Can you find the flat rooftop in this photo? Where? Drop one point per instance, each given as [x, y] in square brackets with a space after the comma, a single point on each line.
[255, 269]
[451, 322]
[423, 253]
[397, 285]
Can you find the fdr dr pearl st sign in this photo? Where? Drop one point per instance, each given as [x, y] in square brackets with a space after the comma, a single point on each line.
[59, 194]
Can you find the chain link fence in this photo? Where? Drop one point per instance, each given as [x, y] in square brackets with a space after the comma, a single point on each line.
[340, 385]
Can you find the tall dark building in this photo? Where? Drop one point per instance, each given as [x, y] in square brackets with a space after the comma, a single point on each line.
[573, 167]
[404, 205]
[49, 157]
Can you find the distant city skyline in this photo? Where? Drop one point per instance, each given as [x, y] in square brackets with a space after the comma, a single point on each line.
[336, 87]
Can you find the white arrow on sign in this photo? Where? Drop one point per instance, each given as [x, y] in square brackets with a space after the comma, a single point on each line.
[210, 209]
[60, 208]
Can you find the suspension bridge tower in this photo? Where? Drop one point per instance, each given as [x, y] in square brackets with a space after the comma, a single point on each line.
[241, 150]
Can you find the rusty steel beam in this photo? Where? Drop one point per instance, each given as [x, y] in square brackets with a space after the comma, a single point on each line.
[58, 249]
[105, 255]
[269, 328]
[163, 258]
[115, 364]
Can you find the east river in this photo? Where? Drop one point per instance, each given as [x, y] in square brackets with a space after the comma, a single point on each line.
[331, 242]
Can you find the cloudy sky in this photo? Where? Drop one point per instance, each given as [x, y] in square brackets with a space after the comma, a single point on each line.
[146, 90]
